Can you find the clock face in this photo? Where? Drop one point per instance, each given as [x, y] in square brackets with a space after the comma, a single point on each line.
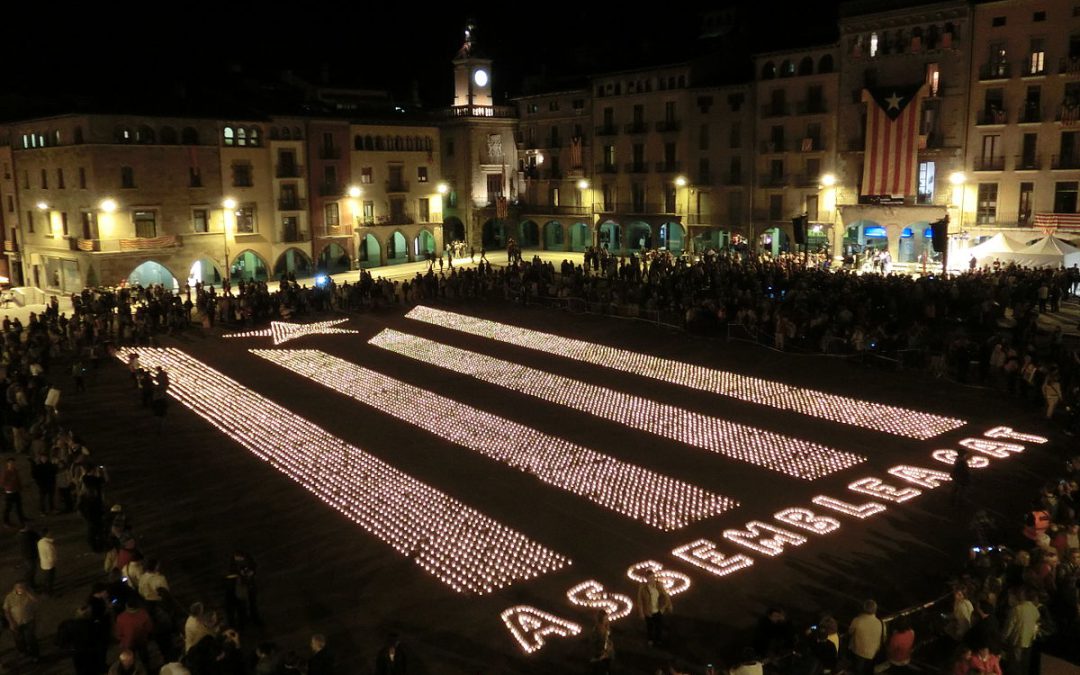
[480, 77]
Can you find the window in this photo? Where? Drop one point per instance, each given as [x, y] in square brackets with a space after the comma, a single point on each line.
[30, 221]
[991, 149]
[986, 213]
[553, 106]
[330, 178]
[59, 179]
[369, 212]
[245, 219]
[933, 78]
[873, 45]
[241, 175]
[704, 104]
[703, 171]
[1065, 197]
[127, 177]
[82, 178]
[422, 175]
[145, 224]
[735, 136]
[200, 220]
[366, 175]
[194, 177]
[424, 209]
[333, 214]
[609, 118]
[609, 156]
[578, 103]
[64, 223]
[1023, 215]
[926, 183]
[1037, 57]
[811, 209]
[89, 225]
[703, 137]
[669, 111]
[776, 207]
[669, 154]
[241, 136]
[735, 168]
[607, 194]
[449, 148]
[1038, 16]
[229, 136]
[638, 150]
[997, 21]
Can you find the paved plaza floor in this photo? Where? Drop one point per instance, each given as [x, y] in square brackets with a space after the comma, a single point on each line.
[195, 493]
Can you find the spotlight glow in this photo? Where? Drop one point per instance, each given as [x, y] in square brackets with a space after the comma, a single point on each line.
[625, 488]
[283, 332]
[791, 456]
[875, 416]
[460, 546]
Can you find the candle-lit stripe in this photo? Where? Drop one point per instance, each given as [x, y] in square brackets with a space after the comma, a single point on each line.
[783, 454]
[629, 489]
[460, 546]
[283, 332]
[866, 414]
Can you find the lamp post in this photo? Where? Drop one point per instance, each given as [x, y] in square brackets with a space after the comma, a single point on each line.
[228, 204]
[958, 181]
[681, 182]
[582, 186]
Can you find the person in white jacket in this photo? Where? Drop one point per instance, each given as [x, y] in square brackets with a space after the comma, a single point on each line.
[47, 560]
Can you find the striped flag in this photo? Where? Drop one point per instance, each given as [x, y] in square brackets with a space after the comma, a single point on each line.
[892, 140]
[1052, 222]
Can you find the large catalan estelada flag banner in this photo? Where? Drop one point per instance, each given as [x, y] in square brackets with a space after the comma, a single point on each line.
[892, 140]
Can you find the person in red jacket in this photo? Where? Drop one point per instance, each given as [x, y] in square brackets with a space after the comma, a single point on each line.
[134, 628]
[985, 663]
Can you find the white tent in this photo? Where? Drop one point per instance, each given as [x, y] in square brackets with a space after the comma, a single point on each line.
[1046, 252]
[996, 247]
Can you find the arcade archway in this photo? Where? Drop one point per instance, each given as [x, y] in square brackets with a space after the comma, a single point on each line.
[333, 260]
[153, 273]
[248, 266]
[553, 235]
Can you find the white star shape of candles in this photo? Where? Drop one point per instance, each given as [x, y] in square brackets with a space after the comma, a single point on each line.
[283, 332]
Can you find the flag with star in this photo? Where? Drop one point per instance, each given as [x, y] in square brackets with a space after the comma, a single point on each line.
[892, 140]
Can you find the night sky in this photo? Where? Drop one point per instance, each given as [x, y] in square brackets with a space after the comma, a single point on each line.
[150, 50]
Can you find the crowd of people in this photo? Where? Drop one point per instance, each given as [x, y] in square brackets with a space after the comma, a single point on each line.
[979, 327]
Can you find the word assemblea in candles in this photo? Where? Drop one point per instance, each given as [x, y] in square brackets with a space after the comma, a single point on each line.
[866, 414]
[791, 456]
[283, 332]
[631, 490]
[460, 546]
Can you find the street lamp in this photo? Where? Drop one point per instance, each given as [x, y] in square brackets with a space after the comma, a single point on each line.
[355, 192]
[828, 180]
[442, 188]
[43, 206]
[108, 205]
[228, 204]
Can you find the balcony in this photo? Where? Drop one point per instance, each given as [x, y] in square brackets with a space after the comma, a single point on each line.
[607, 130]
[639, 208]
[703, 178]
[1033, 66]
[807, 180]
[1030, 114]
[637, 128]
[551, 174]
[479, 111]
[292, 204]
[668, 167]
[636, 167]
[733, 178]
[811, 144]
[11, 246]
[1068, 114]
[665, 126]
[774, 180]
[989, 164]
[774, 109]
[1027, 163]
[1065, 162]
[330, 189]
[1069, 65]
[329, 152]
[560, 210]
[397, 186]
[606, 168]
[997, 70]
[810, 108]
[991, 117]
[772, 147]
[287, 171]
[294, 237]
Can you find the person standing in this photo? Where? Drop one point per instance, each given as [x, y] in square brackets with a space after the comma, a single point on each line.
[391, 658]
[653, 603]
[127, 664]
[321, 661]
[961, 476]
[46, 547]
[20, 609]
[867, 635]
[43, 472]
[75, 637]
[603, 649]
[1020, 631]
[12, 485]
[241, 592]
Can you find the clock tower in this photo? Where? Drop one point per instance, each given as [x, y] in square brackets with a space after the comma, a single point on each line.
[472, 74]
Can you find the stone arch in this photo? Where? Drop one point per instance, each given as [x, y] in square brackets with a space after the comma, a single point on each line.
[168, 136]
[370, 251]
[493, 234]
[333, 259]
[144, 134]
[610, 235]
[580, 237]
[639, 236]
[553, 236]
[189, 136]
[369, 142]
[293, 261]
[423, 244]
[673, 236]
[453, 229]
[787, 68]
[914, 243]
[151, 273]
[397, 248]
[825, 64]
[528, 234]
[806, 66]
[204, 271]
[248, 266]
[768, 71]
